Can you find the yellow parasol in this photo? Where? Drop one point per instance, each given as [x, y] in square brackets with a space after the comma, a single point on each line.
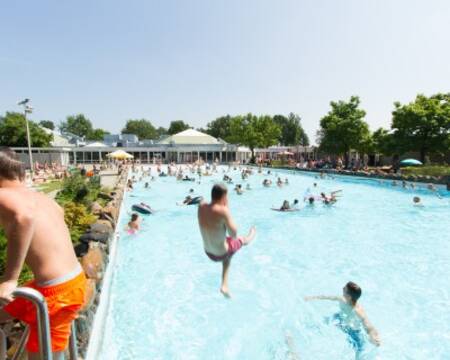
[120, 154]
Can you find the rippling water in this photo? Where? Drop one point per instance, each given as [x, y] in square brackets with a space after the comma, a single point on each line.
[165, 302]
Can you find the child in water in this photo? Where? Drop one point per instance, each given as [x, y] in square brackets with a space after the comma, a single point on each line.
[134, 224]
[417, 201]
[351, 318]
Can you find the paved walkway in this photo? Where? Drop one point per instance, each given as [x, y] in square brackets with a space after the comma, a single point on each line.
[108, 178]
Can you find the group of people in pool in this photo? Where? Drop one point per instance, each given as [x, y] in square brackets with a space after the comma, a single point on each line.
[221, 241]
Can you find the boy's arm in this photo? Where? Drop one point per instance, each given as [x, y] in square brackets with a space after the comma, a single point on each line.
[370, 329]
[19, 232]
[323, 297]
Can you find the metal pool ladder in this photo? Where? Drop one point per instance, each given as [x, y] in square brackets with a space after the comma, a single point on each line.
[45, 346]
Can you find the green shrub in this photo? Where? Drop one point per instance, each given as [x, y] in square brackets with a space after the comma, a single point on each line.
[430, 170]
[78, 219]
[26, 273]
[79, 189]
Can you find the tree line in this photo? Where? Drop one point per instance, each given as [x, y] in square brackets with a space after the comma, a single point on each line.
[423, 126]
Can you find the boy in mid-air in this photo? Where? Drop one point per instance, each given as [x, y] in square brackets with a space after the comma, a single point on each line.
[352, 316]
[215, 221]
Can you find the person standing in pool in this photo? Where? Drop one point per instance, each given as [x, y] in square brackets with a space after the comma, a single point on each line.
[352, 316]
[215, 222]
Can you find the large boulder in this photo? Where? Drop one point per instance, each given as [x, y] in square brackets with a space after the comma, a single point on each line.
[93, 263]
[91, 292]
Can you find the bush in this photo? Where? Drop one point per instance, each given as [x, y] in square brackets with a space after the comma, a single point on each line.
[78, 219]
[430, 170]
[79, 189]
[26, 273]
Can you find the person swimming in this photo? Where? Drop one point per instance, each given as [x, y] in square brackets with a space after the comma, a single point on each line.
[286, 206]
[417, 201]
[248, 187]
[134, 224]
[267, 183]
[311, 200]
[351, 318]
[279, 182]
[239, 189]
[146, 185]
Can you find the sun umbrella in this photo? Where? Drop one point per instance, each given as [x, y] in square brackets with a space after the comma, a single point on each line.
[119, 154]
[410, 162]
[285, 153]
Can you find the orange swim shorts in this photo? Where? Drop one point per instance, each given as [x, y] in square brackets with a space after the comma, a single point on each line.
[63, 302]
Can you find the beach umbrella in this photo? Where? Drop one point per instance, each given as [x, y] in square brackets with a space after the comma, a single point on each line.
[410, 162]
[285, 153]
[120, 155]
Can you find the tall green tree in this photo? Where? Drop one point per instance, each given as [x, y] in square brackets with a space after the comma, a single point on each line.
[423, 125]
[343, 128]
[160, 132]
[13, 132]
[254, 131]
[48, 124]
[97, 134]
[383, 142]
[292, 132]
[220, 127]
[142, 128]
[78, 125]
[177, 126]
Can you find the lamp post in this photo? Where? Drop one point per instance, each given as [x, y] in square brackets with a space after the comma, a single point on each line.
[27, 110]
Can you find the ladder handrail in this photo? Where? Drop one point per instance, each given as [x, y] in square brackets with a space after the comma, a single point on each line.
[38, 300]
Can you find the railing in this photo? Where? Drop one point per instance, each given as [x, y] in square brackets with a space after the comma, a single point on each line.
[43, 323]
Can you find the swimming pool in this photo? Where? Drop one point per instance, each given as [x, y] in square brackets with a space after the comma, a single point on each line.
[164, 301]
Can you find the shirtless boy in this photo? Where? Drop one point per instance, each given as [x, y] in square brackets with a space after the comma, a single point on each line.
[352, 316]
[215, 222]
[37, 235]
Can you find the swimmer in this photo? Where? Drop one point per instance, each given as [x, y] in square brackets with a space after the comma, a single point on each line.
[311, 200]
[134, 223]
[328, 200]
[238, 189]
[267, 182]
[189, 200]
[215, 222]
[417, 201]
[279, 182]
[352, 316]
[286, 181]
[129, 185]
[146, 185]
[285, 206]
[295, 204]
[248, 187]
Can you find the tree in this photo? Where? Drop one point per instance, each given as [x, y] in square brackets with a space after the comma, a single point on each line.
[423, 125]
[142, 128]
[48, 124]
[78, 125]
[292, 132]
[97, 134]
[382, 142]
[177, 126]
[220, 127]
[13, 132]
[254, 131]
[160, 132]
[343, 128]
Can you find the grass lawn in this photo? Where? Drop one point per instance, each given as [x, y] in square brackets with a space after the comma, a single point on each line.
[50, 186]
[430, 170]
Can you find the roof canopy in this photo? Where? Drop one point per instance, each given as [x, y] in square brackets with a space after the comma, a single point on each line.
[191, 136]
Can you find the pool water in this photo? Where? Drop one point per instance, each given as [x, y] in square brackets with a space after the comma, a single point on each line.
[165, 301]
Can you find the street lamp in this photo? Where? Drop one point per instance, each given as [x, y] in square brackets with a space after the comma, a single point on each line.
[27, 110]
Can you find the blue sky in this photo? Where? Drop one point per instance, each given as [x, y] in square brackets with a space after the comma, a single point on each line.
[198, 59]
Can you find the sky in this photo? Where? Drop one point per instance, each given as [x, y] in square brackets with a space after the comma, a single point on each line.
[196, 60]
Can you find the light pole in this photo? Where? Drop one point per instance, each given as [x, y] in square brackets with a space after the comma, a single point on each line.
[27, 110]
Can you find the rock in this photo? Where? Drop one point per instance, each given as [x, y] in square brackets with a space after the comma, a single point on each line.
[101, 228]
[106, 223]
[81, 249]
[111, 210]
[91, 292]
[93, 263]
[96, 208]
